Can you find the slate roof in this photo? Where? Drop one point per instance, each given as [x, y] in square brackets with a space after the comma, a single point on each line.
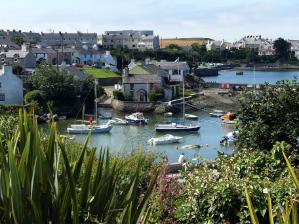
[169, 65]
[140, 79]
[148, 69]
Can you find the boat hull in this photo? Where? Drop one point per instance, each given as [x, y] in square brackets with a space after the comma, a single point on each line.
[177, 129]
[87, 130]
[130, 121]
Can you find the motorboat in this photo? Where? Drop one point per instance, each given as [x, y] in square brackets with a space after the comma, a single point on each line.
[229, 116]
[118, 121]
[85, 128]
[239, 73]
[168, 114]
[165, 139]
[191, 116]
[230, 137]
[217, 113]
[136, 118]
[176, 127]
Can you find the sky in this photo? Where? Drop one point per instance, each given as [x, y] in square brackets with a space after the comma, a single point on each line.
[216, 19]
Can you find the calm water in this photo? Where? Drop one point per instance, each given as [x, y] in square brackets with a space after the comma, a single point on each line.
[249, 77]
[127, 138]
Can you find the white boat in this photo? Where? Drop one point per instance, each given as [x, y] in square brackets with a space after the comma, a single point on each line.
[176, 127]
[92, 125]
[229, 121]
[165, 139]
[191, 147]
[230, 137]
[85, 129]
[169, 114]
[191, 116]
[118, 121]
[136, 118]
[217, 113]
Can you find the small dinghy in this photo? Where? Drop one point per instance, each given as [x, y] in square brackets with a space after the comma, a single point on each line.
[191, 147]
[165, 139]
[191, 117]
[217, 113]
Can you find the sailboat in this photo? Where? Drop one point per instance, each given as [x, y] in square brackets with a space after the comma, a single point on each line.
[92, 126]
[175, 127]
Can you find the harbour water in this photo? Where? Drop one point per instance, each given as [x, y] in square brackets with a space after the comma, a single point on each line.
[124, 139]
[250, 77]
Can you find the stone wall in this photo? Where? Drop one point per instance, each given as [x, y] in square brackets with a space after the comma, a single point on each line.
[128, 106]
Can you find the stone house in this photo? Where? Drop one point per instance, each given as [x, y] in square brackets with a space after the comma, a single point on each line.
[219, 45]
[11, 87]
[23, 57]
[140, 80]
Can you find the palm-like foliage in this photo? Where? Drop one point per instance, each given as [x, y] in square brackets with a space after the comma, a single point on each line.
[35, 189]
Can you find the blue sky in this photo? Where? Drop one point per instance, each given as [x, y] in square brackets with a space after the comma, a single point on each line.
[217, 19]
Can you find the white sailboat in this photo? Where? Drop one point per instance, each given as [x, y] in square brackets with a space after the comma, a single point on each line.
[174, 127]
[93, 126]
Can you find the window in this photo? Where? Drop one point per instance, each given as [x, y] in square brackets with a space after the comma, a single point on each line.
[131, 86]
[2, 97]
[16, 60]
[0, 84]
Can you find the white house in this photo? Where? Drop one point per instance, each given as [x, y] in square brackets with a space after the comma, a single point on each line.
[219, 45]
[176, 69]
[266, 48]
[11, 87]
[295, 47]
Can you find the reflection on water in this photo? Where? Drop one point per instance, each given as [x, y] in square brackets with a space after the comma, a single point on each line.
[127, 138]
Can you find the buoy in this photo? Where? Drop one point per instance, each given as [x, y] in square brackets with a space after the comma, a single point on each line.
[207, 145]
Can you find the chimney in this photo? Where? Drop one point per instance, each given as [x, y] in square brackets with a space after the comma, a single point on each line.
[6, 69]
[147, 61]
[126, 72]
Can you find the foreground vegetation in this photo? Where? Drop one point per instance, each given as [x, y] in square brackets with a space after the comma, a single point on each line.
[39, 183]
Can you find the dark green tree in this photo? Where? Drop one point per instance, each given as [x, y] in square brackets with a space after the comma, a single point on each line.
[268, 116]
[18, 40]
[282, 48]
[56, 87]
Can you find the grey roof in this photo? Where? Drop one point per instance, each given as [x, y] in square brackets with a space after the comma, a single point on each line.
[167, 65]
[9, 44]
[76, 72]
[15, 53]
[36, 50]
[150, 68]
[140, 79]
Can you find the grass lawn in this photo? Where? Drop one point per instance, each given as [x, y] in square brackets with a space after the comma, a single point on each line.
[100, 73]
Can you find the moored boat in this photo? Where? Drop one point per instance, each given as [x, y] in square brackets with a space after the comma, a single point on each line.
[136, 118]
[217, 113]
[165, 139]
[174, 127]
[85, 129]
[118, 121]
[191, 117]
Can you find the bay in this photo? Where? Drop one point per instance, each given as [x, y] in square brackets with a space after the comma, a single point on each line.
[251, 77]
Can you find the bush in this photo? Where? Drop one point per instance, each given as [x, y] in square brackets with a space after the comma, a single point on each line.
[156, 94]
[269, 115]
[214, 191]
[118, 94]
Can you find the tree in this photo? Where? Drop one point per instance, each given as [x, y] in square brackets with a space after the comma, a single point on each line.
[282, 48]
[60, 89]
[268, 116]
[18, 40]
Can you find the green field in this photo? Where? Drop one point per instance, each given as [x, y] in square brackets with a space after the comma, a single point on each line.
[100, 73]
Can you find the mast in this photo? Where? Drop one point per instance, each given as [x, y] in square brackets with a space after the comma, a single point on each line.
[95, 101]
[83, 112]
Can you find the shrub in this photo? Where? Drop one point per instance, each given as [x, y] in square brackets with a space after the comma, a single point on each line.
[156, 94]
[118, 94]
